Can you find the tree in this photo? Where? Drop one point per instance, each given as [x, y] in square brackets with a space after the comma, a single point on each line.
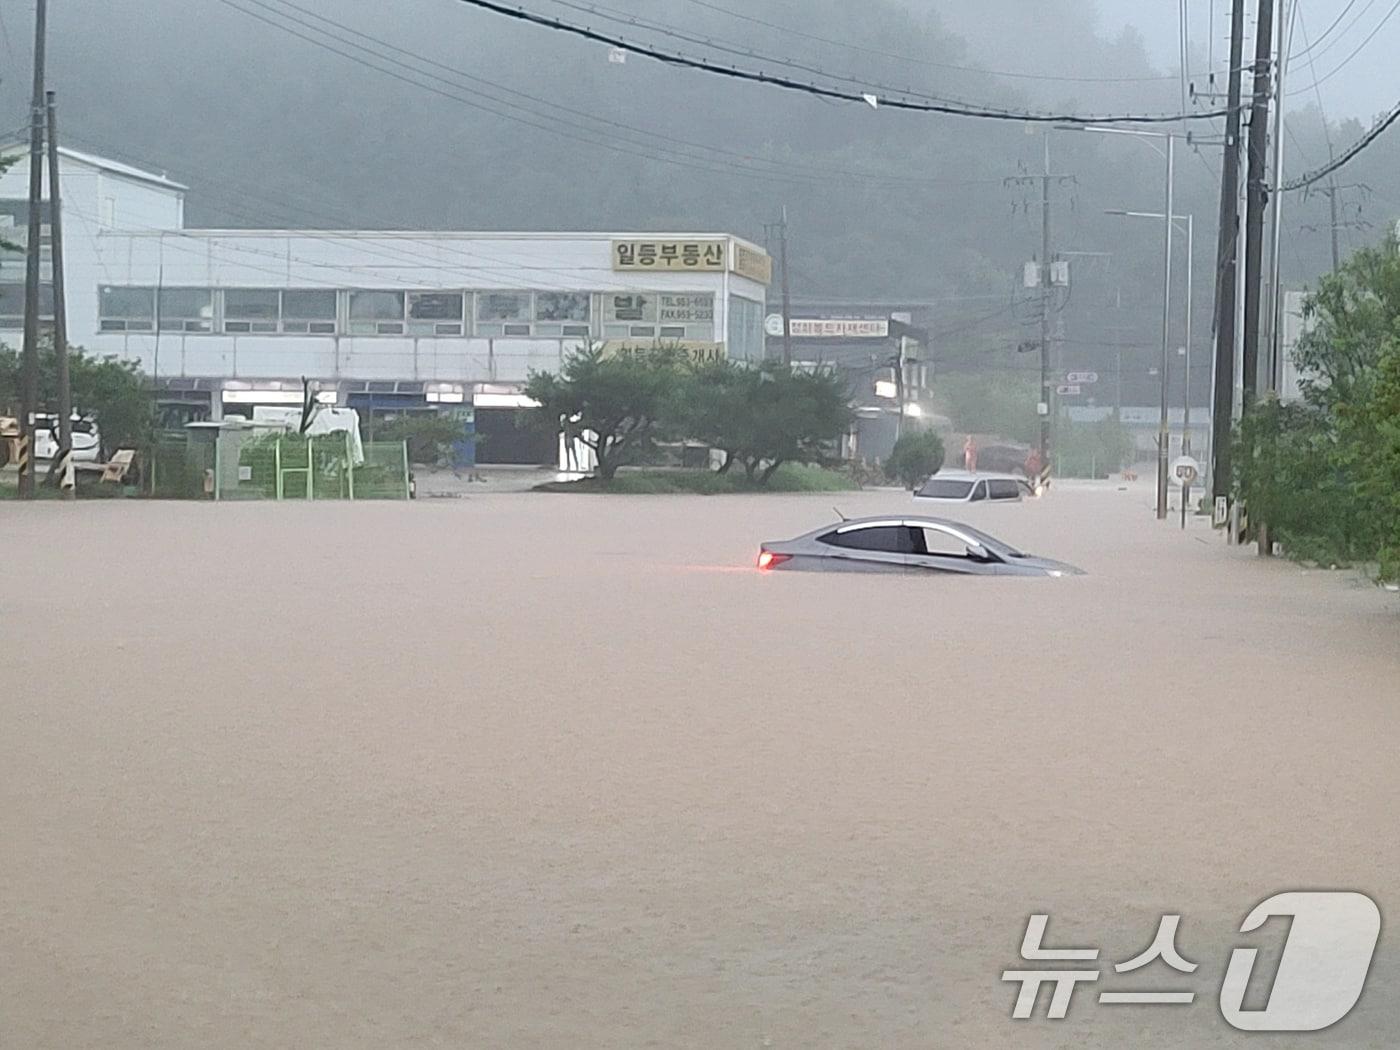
[790, 415]
[917, 455]
[1325, 474]
[430, 435]
[714, 407]
[617, 404]
[109, 389]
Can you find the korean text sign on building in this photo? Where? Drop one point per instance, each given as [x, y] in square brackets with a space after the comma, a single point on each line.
[840, 328]
[669, 255]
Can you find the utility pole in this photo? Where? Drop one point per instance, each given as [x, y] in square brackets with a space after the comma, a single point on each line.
[1258, 197]
[1226, 270]
[1046, 282]
[898, 363]
[787, 295]
[1336, 208]
[1047, 181]
[64, 460]
[1336, 230]
[1274, 373]
[29, 381]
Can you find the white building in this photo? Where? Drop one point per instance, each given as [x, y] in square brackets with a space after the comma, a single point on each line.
[225, 319]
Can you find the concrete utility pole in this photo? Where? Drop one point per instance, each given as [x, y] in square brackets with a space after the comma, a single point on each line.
[1332, 201]
[63, 462]
[787, 295]
[1226, 272]
[1047, 180]
[1258, 197]
[1046, 283]
[1274, 372]
[29, 379]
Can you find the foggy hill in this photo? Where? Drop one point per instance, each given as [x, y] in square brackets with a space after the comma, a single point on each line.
[436, 115]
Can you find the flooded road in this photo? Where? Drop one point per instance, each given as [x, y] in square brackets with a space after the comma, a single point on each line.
[565, 771]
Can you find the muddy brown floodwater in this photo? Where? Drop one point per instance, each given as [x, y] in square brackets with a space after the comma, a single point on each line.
[554, 771]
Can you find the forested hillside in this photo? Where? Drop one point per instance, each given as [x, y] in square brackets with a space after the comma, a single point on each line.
[427, 113]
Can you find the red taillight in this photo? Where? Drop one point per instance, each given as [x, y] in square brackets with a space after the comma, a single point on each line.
[769, 560]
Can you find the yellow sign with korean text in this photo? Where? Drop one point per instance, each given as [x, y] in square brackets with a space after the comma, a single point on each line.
[753, 264]
[669, 256]
[699, 351]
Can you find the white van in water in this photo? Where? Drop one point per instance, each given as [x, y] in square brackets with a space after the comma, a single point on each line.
[961, 486]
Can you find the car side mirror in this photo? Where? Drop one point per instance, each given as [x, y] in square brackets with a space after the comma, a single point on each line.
[978, 552]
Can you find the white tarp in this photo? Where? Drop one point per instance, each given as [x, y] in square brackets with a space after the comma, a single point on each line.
[325, 421]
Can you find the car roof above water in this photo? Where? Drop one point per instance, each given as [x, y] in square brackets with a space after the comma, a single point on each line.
[972, 475]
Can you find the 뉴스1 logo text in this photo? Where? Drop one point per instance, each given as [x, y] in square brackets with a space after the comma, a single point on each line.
[1320, 975]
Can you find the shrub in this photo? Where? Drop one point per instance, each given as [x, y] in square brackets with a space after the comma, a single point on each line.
[916, 456]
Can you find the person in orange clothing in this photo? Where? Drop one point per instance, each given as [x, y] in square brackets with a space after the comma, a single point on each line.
[969, 454]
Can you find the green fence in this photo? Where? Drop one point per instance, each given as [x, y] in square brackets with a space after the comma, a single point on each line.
[249, 464]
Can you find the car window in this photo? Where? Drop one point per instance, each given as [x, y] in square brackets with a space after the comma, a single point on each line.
[945, 488]
[980, 492]
[1004, 489]
[938, 542]
[891, 539]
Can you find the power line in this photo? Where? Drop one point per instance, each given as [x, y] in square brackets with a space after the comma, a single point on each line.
[1310, 46]
[706, 148]
[792, 32]
[628, 148]
[1356, 148]
[727, 47]
[1348, 60]
[773, 170]
[893, 100]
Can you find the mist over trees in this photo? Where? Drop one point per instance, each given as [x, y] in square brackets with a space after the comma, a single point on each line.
[518, 127]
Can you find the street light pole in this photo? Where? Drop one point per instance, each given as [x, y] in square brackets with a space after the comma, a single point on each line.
[1186, 386]
[1163, 426]
[1189, 221]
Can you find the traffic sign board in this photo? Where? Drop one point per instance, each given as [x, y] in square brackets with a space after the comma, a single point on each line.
[1085, 378]
[1067, 390]
[1185, 470]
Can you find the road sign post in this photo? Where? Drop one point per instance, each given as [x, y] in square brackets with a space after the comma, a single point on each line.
[1185, 470]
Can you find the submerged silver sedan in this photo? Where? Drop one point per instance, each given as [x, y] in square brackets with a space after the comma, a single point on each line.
[906, 545]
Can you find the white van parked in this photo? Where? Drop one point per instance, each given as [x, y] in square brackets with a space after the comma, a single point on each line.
[87, 442]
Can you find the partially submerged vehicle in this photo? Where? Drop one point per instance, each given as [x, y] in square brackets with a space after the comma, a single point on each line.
[961, 486]
[903, 545]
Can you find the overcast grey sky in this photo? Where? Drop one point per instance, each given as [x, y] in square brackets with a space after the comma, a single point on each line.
[1364, 86]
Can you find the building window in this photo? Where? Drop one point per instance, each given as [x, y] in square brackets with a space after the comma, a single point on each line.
[376, 313]
[12, 304]
[308, 312]
[186, 310]
[503, 313]
[435, 313]
[126, 309]
[251, 309]
[745, 329]
[563, 313]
